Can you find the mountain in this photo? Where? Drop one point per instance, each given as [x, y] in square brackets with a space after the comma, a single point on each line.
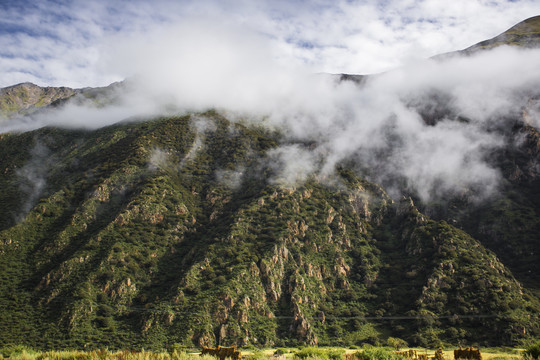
[182, 229]
[525, 34]
[156, 232]
[507, 224]
[27, 97]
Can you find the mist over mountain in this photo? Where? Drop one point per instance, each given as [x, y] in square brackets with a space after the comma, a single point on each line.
[240, 199]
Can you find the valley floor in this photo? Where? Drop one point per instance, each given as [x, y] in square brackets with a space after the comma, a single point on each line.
[373, 353]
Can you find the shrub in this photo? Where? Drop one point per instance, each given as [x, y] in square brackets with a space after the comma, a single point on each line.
[257, 355]
[532, 351]
[314, 352]
[309, 352]
[14, 350]
[377, 353]
[335, 354]
[280, 351]
[105, 310]
[176, 347]
[180, 355]
[396, 343]
[104, 322]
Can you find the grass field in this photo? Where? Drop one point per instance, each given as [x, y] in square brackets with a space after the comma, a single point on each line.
[22, 353]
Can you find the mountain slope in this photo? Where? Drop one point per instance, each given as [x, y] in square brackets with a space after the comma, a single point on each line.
[507, 223]
[26, 97]
[173, 230]
[524, 34]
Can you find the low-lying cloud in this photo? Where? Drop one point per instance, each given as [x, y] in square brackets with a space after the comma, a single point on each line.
[429, 125]
[32, 177]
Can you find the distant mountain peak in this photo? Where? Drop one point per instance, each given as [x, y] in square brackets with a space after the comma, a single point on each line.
[523, 34]
[26, 97]
[23, 84]
[528, 26]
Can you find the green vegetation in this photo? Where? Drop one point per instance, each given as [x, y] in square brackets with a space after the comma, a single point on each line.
[396, 343]
[366, 352]
[533, 351]
[175, 231]
[319, 353]
[13, 351]
[160, 232]
[377, 353]
[103, 354]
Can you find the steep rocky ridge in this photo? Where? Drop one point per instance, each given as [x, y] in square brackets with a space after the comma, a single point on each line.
[160, 232]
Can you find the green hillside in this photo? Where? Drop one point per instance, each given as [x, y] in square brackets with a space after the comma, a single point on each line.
[172, 231]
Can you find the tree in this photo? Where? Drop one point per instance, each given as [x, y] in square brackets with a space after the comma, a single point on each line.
[396, 343]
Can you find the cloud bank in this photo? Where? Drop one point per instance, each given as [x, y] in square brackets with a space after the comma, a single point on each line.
[427, 127]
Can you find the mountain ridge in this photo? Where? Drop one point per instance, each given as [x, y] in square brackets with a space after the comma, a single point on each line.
[524, 34]
[181, 229]
[19, 98]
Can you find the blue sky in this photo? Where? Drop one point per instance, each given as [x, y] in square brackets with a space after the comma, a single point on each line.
[81, 43]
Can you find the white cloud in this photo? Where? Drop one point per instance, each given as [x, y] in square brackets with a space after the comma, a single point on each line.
[378, 126]
[293, 164]
[62, 43]
[257, 62]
